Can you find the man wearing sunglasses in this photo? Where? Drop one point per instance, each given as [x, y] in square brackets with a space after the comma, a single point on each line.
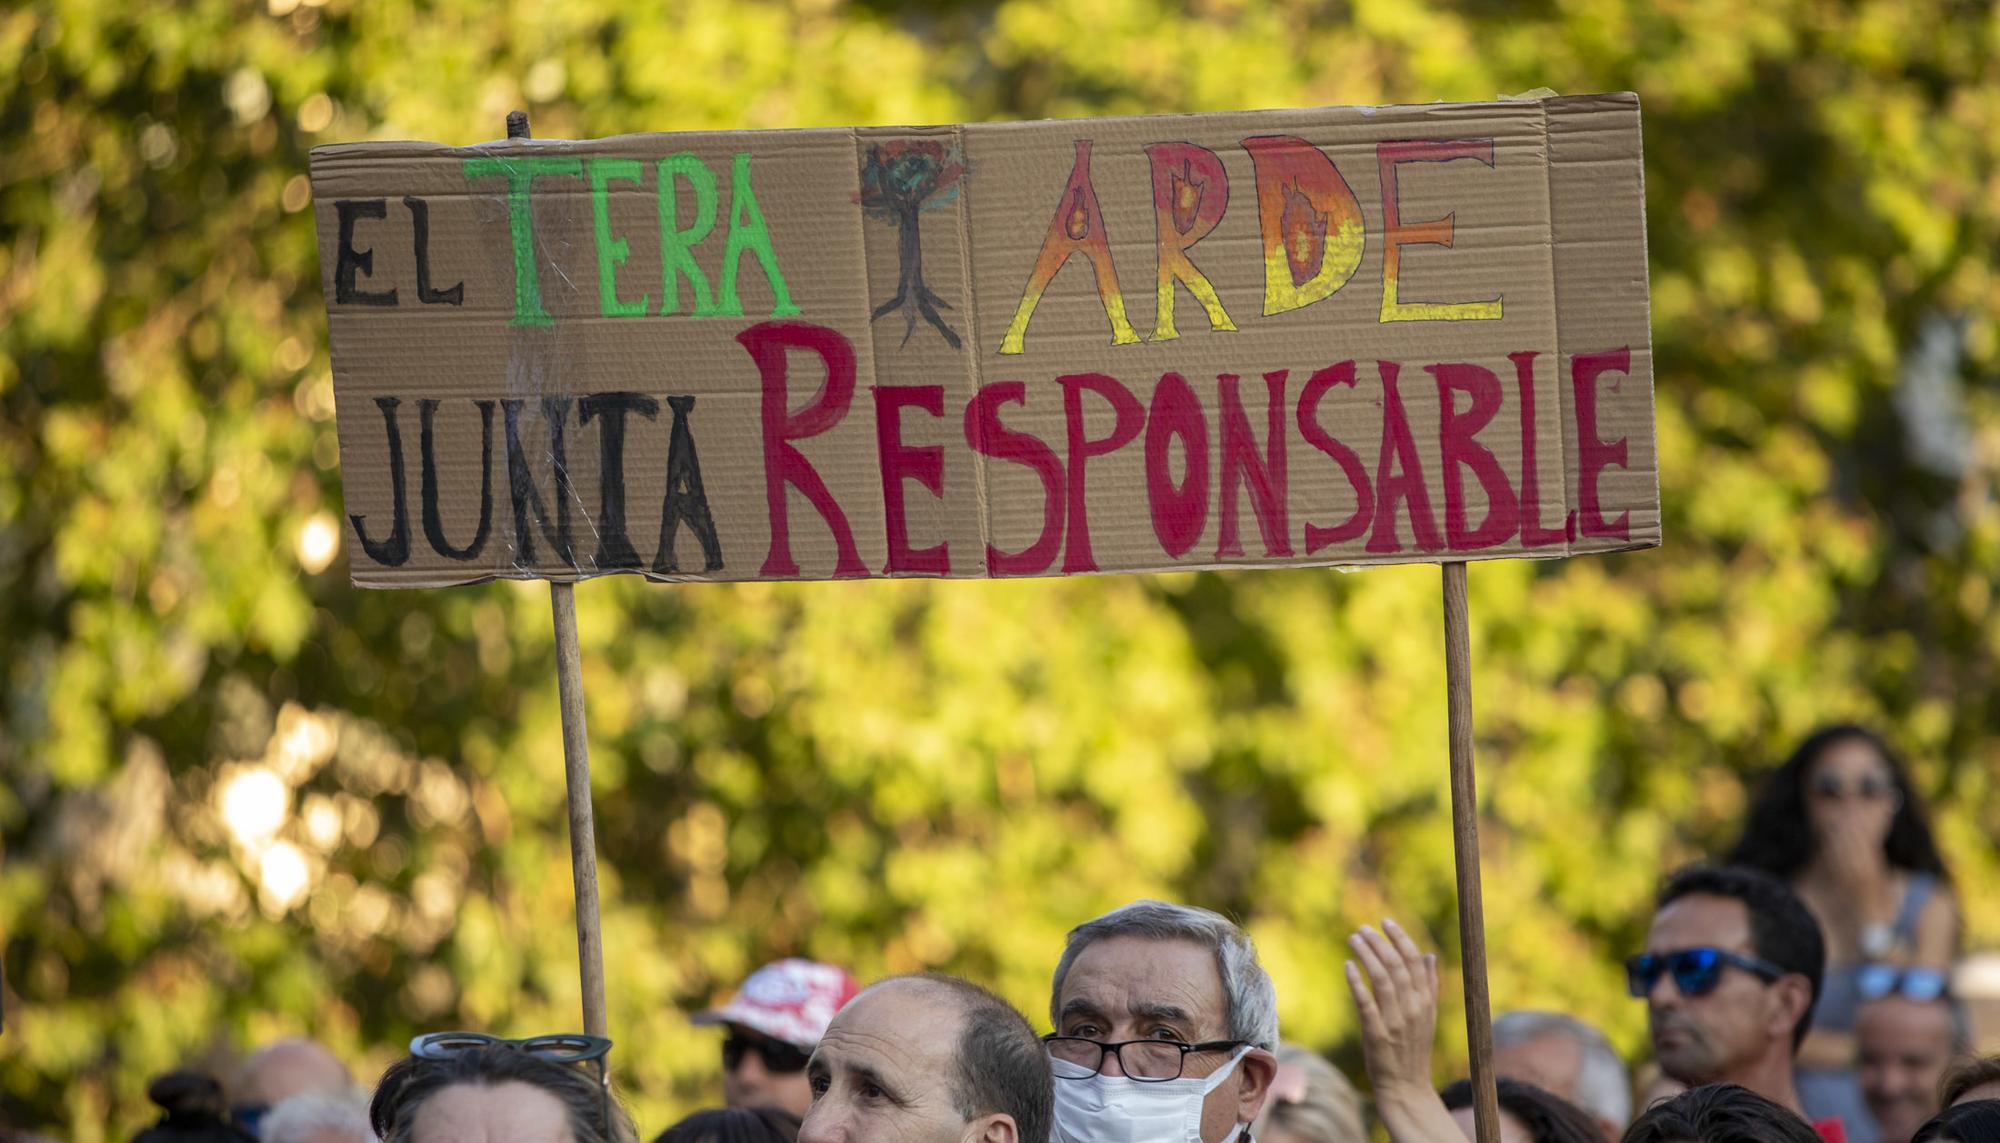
[1730, 974]
[773, 1023]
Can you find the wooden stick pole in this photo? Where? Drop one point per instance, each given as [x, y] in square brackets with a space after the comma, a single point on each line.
[576, 769]
[1465, 835]
[582, 825]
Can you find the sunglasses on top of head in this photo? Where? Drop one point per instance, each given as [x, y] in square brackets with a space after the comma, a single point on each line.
[558, 1048]
[1696, 971]
[779, 1058]
[1919, 984]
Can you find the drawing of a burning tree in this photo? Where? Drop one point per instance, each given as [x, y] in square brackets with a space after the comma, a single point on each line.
[900, 180]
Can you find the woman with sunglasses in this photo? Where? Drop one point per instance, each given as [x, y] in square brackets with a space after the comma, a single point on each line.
[465, 1087]
[1840, 823]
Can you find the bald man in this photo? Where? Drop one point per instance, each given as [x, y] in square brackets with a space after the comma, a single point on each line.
[928, 1059]
[282, 1070]
[1904, 1047]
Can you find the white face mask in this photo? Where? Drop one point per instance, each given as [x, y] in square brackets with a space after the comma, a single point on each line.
[1092, 1107]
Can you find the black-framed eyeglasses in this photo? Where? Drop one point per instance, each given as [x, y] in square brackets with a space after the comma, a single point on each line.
[779, 1057]
[1148, 1061]
[1696, 971]
[557, 1048]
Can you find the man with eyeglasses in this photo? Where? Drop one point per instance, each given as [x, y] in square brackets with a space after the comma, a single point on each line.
[1165, 1029]
[1731, 972]
[773, 1023]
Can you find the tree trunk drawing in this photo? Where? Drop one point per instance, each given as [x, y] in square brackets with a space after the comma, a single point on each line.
[899, 182]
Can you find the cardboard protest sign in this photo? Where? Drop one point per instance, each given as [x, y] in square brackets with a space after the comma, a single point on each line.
[1331, 336]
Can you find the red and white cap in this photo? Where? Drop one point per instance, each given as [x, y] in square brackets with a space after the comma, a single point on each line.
[791, 1000]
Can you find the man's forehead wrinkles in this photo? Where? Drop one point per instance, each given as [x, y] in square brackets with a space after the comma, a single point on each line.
[1144, 996]
[851, 1046]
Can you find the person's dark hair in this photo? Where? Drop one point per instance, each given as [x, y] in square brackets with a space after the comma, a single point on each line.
[195, 1111]
[1548, 1117]
[1965, 1075]
[734, 1125]
[1000, 1063]
[1719, 1113]
[1975, 1122]
[1777, 834]
[1782, 929]
[409, 1082]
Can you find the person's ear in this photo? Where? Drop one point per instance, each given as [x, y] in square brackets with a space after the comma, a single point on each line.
[993, 1127]
[1255, 1074]
[1794, 999]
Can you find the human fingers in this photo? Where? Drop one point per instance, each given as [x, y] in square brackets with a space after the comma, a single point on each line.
[1364, 1004]
[1401, 938]
[1401, 967]
[1373, 964]
[1423, 967]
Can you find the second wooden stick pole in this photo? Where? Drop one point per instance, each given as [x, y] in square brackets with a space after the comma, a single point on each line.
[1465, 838]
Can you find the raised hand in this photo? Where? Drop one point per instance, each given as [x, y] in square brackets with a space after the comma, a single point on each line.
[1395, 991]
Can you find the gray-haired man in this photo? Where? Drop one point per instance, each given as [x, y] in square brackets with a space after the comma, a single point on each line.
[1569, 1058]
[1165, 1025]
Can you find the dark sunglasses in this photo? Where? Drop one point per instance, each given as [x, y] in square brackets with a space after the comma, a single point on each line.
[560, 1048]
[1868, 788]
[1920, 984]
[779, 1057]
[1696, 971]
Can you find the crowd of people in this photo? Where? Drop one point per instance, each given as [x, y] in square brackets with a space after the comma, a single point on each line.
[1798, 990]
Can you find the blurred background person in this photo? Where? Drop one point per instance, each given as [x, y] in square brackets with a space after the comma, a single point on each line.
[460, 1087]
[1310, 1102]
[1528, 1114]
[772, 1025]
[281, 1070]
[734, 1125]
[318, 1117]
[193, 1110]
[1976, 1121]
[1970, 1080]
[1841, 825]
[1904, 1049]
[1719, 1113]
[1569, 1059]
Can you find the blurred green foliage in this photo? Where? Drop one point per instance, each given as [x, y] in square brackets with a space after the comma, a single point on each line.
[243, 799]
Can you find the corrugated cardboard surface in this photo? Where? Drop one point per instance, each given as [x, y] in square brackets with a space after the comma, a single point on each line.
[1085, 443]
